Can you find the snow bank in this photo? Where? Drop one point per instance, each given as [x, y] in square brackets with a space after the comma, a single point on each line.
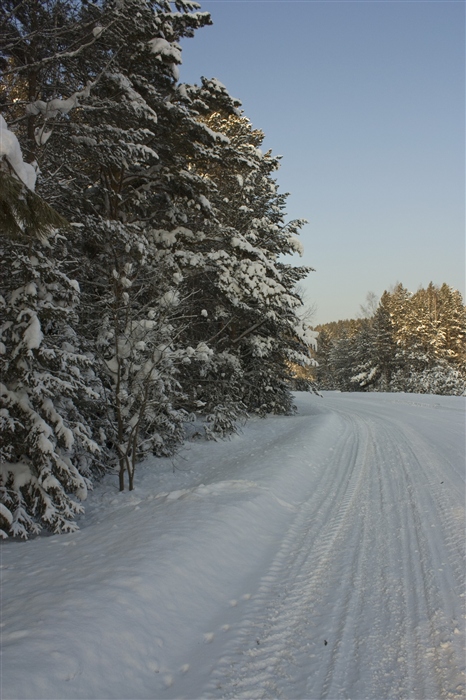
[223, 573]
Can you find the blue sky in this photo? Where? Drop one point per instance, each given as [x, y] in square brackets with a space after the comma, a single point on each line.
[365, 102]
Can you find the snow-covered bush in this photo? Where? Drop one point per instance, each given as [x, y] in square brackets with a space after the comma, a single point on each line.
[442, 379]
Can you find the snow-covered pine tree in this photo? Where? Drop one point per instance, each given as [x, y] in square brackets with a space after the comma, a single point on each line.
[341, 360]
[324, 374]
[431, 342]
[426, 340]
[41, 45]
[137, 333]
[385, 343]
[138, 183]
[103, 83]
[337, 353]
[46, 451]
[374, 350]
[243, 294]
[363, 358]
[413, 342]
[132, 143]
[453, 318]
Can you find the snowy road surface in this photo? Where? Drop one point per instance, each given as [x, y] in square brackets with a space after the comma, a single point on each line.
[319, 556]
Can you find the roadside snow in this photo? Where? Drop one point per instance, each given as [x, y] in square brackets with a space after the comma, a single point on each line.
[318, 556]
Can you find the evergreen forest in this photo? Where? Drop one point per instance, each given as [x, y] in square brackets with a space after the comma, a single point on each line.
[144, 298]
[411, 342]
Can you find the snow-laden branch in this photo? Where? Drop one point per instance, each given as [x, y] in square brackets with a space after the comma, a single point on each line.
[52, 109]
[58, 106]
[96, 34]
[10, 153]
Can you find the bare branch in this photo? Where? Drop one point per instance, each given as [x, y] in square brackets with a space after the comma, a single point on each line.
[250, 330]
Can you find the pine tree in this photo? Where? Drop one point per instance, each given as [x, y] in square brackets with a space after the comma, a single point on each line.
[324, 374]
[126, 145]
[185, 304]
[246, 303]
[57, 53]
[363, 358]
[452, 313]
[385, 350]
[47, 444]
[341, 361]
[413, 342]
[46, 452]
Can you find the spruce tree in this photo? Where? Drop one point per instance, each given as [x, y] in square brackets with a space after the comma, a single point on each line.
[47, 451]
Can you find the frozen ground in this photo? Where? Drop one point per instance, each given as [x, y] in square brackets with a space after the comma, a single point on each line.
[319, 556]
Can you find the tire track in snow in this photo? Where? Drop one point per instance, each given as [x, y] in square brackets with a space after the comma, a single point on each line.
[269, 644]
[431, 580]
[452, 519]
[356, 603]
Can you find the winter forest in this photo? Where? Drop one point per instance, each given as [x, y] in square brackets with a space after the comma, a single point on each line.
[406, 342]
[142, 235]
[145, 294]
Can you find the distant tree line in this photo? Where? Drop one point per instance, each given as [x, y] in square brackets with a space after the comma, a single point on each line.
[412, 342]
[142, 278]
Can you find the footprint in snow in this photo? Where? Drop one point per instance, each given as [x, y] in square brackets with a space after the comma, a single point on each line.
[208, 637]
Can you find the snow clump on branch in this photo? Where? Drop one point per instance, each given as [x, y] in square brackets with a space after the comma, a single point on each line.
[10, 153]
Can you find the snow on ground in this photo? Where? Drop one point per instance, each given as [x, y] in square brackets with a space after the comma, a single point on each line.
[315, 556]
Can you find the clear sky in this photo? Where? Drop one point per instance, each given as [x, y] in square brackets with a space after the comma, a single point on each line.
[365, 101]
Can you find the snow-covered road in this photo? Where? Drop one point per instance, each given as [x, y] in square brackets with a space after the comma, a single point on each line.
[363, 597]
[319, 556]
